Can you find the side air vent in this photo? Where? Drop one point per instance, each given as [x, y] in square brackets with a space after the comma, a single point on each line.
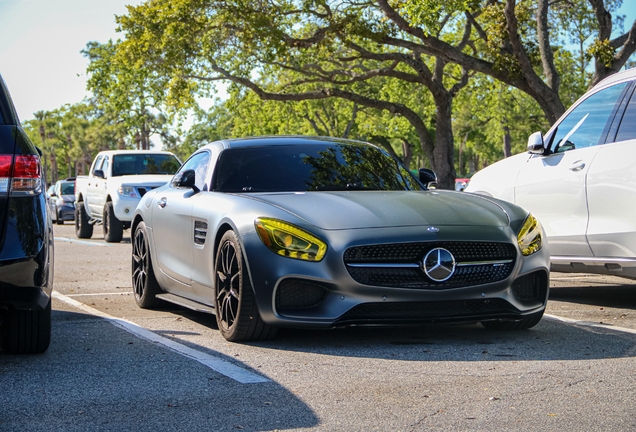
[200, 232]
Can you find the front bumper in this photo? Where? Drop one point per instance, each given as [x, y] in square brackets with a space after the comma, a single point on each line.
[296, 293]
[66, 212]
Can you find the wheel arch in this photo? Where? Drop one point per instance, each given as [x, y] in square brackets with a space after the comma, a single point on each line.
[223, 228]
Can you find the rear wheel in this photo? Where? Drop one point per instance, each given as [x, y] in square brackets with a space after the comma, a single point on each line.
[236, 311]
[113, 227]
[145, 285]
[83, 229]
[26, 331]
[523, 324]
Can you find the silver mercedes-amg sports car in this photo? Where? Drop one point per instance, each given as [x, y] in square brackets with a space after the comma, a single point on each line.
[319, 232]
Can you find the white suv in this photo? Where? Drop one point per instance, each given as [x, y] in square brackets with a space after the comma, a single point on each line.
[580, 181]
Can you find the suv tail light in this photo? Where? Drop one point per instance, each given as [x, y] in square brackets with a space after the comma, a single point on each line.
[20, 176]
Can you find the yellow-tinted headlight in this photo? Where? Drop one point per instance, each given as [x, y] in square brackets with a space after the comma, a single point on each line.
[529, 237]
[289, 241]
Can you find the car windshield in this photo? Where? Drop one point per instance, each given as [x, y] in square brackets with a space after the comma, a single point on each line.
[310, 167]
[68, 188]
[140, 163]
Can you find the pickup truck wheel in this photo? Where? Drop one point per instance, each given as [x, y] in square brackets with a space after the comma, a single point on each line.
[113, 227]
[145, 285]
[83, 229]
[26, 331]
[235, 307]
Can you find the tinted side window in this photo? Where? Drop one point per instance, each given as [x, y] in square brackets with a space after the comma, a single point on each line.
[627, 128]
[586, 124]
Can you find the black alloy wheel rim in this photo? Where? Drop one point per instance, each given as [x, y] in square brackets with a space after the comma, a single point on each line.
[139, 264]
[228, 281]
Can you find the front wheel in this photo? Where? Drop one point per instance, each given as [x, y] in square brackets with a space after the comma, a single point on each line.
[58, 218]
[26, 331]
[523, 324]
[113, 227]
[236, 310]
[83, 229]
[145, 285]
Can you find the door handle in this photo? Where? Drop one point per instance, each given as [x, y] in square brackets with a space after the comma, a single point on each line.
[162, 202]
[577, 166]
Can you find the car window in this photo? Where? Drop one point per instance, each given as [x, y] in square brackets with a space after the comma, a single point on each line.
[68, 188]
[627, 128]
[298, 168]
[105, 166]
[144, 163]
[199, 163]
[585, 125]
[98, 164]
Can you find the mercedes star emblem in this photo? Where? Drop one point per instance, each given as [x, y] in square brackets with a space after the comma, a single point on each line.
[439, 264]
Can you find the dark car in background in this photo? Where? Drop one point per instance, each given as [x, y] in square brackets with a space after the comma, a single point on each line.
[26, 240]
[62, 201]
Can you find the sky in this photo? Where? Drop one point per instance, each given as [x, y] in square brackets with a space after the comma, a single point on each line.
[40, 48]
[41, 43]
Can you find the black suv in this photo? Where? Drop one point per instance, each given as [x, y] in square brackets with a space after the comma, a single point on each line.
[26, 240]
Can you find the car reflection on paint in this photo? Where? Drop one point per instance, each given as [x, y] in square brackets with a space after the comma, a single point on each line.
[319, 232]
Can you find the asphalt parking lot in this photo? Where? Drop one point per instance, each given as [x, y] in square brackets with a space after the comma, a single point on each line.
[113, 366]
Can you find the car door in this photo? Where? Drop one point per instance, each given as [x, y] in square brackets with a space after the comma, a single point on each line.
[611, 185]
[172, 225]
[554, 186]
[92, 187]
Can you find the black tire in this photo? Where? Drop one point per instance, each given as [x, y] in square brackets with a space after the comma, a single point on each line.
[113, 227]
[145, 285]
[236, 310]
[523, 324]
[83, 229]
[26, 331]
[58, 219]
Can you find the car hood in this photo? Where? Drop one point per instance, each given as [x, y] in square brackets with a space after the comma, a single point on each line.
[144, 179]
[377, 209]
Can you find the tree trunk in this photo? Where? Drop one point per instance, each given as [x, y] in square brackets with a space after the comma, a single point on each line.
[444, 152]
[507, 142]
[407, 151]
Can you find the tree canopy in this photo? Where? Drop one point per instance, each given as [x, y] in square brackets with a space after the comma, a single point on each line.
[453, 85]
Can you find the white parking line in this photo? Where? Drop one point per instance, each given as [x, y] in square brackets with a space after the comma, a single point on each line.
[98, 294]
[589, 324]
[221, 366]
[84, 242]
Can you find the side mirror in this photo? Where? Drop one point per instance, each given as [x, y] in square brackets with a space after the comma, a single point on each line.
[185, 179]
[99, 173]
[536, 144]
[428, 178]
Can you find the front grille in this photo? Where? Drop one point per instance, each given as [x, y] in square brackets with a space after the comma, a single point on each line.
[299, 294]
[481, 264]
[143, 190]
[531, 287]
[427, 311]
[412, 252]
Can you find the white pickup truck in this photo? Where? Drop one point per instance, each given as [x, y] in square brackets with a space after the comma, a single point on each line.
[115, 184]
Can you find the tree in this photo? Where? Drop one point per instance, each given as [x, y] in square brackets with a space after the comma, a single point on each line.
[297, 50]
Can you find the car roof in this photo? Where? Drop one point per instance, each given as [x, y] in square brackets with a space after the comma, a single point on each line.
[120, 152]
[625, 75]
[276, 140]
